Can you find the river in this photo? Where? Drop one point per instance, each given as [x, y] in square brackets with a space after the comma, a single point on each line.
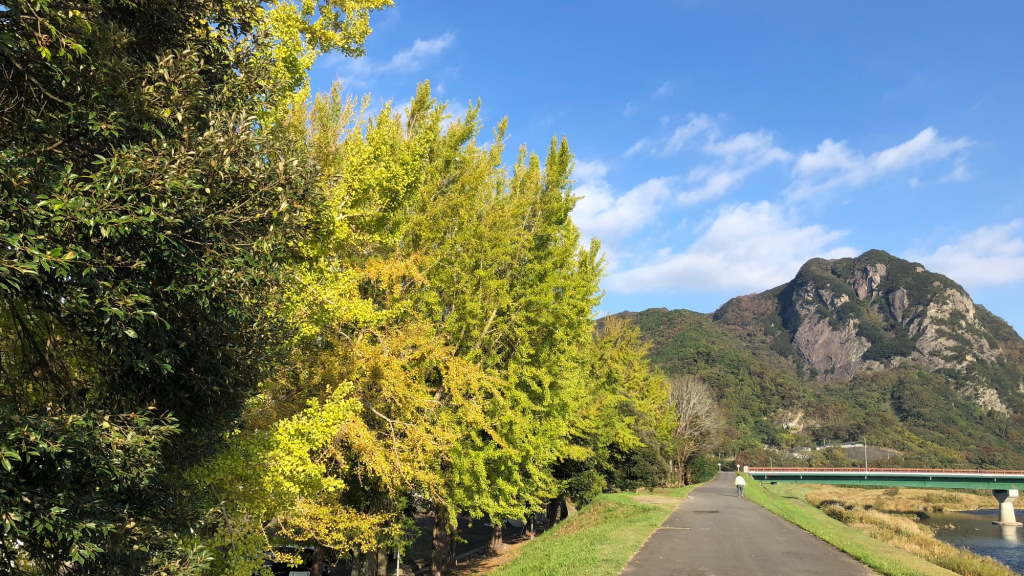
[975, 531]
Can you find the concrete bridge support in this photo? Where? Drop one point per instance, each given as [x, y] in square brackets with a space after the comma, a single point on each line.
[1006, 499]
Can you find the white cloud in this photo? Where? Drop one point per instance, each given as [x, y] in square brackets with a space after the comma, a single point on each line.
[412, 58]
[638, 147]
[664, 90]
[697, 125]
[734, 158]
[833, 165]
[990, 255]
[601, 213]
[359, 71]
[738, 157]
[746, 147]
[960, 173]
[745, 247]
[588, 172]
[713, 184]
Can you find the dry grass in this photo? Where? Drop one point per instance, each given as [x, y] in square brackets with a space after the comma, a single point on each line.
[788, 501]
[865, 510]
[899, 500]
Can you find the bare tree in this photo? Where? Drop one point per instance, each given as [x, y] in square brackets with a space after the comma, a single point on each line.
[698, 421]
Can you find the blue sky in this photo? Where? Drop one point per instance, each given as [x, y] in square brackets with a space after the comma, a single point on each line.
[721, 144]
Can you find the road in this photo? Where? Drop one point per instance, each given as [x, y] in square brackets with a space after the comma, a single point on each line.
[714, 533]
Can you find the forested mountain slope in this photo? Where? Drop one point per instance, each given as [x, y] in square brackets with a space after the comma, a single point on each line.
[869, 347]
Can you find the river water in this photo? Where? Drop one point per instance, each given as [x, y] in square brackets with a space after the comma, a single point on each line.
[975, 531]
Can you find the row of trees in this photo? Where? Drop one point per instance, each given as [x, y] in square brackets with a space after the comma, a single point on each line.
[236, 316]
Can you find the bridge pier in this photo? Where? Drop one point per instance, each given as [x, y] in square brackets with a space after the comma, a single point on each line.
[1006, 499]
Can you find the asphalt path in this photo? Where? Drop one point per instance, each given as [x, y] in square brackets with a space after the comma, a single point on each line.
[715, 533]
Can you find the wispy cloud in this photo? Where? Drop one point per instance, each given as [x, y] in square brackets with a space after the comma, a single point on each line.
[696, 126]
[600, 212]
[745, 247]
[664, 90]
[358, 72]
[738, 157]
[989, 255]
[629, 109]
[412, 58]
[732, 159]
[834, 165]
[959, 173]
[638, 147]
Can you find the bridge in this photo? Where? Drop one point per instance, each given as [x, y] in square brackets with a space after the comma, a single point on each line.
[1004, 484]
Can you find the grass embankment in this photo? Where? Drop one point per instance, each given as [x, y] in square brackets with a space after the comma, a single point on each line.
[893, 544]
[599, 540]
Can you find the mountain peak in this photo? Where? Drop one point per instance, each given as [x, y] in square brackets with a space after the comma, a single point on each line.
[868, 345]
[841, 317]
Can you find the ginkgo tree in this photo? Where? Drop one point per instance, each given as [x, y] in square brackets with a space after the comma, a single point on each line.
[445, 308]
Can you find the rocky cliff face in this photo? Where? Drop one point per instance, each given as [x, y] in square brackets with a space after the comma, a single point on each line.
[839, 318]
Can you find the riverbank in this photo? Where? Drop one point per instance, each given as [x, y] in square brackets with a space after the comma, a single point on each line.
[879, 527]
[899, 500]
[597, 541]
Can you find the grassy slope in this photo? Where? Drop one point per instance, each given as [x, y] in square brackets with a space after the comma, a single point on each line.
[599, 540]
[787, 502]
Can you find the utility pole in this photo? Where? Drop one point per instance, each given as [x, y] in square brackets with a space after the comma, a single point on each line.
[865, 454]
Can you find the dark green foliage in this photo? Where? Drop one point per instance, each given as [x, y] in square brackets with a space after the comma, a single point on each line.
[701, 468]
[885, 345]
[71, 489]
[144, 216]
[584, 486]
[643, 467]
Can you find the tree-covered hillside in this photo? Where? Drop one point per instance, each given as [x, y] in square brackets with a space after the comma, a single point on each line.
[870, 347]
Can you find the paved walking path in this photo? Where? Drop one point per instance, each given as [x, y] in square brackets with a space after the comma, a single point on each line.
[714, 533]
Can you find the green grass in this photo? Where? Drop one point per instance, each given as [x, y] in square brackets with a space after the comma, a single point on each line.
[599, 540]
[787, 502]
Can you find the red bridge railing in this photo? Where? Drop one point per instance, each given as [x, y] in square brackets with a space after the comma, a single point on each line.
[895, 471]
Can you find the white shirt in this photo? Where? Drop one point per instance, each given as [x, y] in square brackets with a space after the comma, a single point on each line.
[740, 481]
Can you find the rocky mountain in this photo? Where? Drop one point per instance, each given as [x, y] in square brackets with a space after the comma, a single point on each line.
[840, 318]
[867, 345]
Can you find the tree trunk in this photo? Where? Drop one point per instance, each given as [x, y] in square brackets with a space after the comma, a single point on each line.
[316, 563]
[443, 553]
[570, 506]
[531, 527]
[382, 562]
[553, 512]
[356, 565]
[497, 537]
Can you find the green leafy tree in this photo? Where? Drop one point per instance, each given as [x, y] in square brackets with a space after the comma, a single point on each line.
[622, 428]
[148, 199]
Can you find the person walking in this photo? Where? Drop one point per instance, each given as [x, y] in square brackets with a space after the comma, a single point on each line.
[740, 483]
